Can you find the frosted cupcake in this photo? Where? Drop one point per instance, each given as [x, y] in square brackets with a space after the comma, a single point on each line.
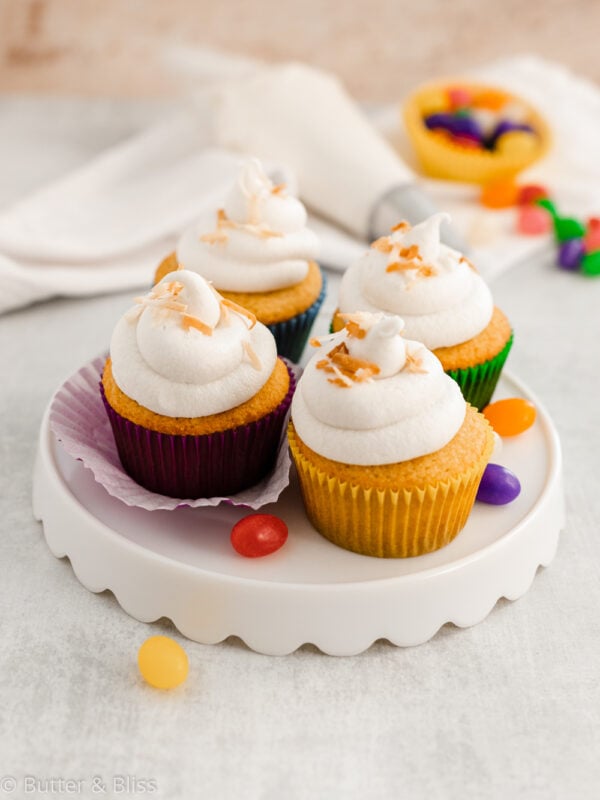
[194, 391]
[258, 252]
[442, 299]
[388, 453]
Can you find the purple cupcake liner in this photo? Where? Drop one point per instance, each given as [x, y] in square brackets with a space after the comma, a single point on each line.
[292, 334]
[210, 465]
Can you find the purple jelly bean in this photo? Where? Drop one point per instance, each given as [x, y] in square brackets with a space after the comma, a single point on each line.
[570, 254]
[457, 125]
[507, 126]
[434, 121]
[498, 486]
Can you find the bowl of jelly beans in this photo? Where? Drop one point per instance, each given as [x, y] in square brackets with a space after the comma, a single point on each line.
[472, 132]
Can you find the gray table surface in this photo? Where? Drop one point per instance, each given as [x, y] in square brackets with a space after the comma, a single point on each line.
[507, 709]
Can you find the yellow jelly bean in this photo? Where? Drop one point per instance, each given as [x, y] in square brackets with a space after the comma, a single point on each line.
[163, 663]
[517, 143]
[511, 416]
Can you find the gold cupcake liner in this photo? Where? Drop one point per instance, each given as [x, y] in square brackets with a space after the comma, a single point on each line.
[387, 523]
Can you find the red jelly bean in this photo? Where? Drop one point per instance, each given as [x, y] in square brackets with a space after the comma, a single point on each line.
[511, 416]
[593, 222]
[591, 240]
[459, 97]
[258, 535]
[533, 220]
[532, 192]
[464, 140]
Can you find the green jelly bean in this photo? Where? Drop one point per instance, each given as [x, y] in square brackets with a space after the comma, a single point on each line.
[590, 264]
[544, 202]
[568, 228]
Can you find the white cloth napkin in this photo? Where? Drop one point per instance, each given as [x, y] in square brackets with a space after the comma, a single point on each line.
[105, 227]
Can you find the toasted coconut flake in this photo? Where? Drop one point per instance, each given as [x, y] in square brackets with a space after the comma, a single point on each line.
[239, 310]
[401, 266]
[340, 379]
[403, 225]
[364, 375]
[383, 244]
[189, 321]
[468, 263]
[414, 363]
[351, 364]
[339, 382]
[314, 342]
[355, 330]
[252, 357]
[173, 305]
[214, 237]
[278, 189]
[410, 253]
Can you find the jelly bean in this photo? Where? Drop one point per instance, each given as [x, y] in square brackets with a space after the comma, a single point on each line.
[440, 120]
[258, 535]
[459, 97]
[498, 486]
[493, 99]
[471, 142]
[517, 144]
[533, 220]
[591, 240]
[570, 254]
[487, 121]
[548, 205]
[455, 125]
[590, 264]
[506, 126]
[530, 193]
[568, 228]
[593, 223]
[511, 416]
[502, 193]
[162, 662]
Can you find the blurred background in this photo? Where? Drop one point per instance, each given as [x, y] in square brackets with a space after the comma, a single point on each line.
[379, 48]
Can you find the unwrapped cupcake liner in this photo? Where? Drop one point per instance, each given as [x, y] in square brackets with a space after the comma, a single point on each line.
[292, 334]
[478, 383]
[79, 421]
[386, 523]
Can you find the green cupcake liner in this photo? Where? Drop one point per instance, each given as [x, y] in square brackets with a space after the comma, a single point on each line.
[477, 383]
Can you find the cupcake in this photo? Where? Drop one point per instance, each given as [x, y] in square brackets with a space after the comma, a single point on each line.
[258, 252]
[388, 453]
[444, 302]
[194, 391]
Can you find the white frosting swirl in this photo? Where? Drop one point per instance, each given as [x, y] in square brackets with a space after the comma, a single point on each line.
[408, 409]
[262, 241]
[175, 369]
[441, 298]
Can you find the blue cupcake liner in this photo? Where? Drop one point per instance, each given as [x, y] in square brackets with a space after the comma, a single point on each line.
[292, 334]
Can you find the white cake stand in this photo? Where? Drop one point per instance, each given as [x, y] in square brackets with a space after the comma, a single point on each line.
[180, 564]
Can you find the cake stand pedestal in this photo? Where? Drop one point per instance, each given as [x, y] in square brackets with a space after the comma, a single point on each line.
[180, 564]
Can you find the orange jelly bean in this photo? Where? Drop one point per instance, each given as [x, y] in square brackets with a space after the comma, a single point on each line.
[502, 193]
[493, 99]
[511, 416]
